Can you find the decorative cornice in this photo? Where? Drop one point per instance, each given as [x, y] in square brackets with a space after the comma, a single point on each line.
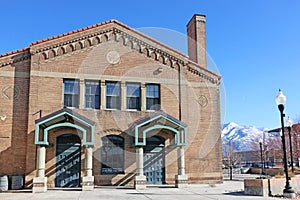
[140, 45]
[14, 57]
[73, 42]
[80, 43]
[203, 73]
[149, 47]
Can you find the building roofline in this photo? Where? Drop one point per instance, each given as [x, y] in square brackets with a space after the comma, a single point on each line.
[14, 52]
[105, 23]
[189, 62]
[206, 69]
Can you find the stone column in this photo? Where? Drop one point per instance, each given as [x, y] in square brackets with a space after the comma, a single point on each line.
[103, 95]
[40, 181]
[143, 97]
[81, 94]
[140, 179]
[88, 179]
[123, 96]
[181, 180]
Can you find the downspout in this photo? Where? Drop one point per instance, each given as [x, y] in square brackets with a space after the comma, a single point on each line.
[179, 91]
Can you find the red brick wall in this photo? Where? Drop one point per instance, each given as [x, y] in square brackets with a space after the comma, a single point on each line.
[14, 87]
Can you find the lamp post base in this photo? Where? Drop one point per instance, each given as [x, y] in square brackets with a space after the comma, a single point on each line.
[288, 192]
[289, 195]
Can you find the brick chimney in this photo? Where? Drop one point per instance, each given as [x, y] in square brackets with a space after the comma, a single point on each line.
[197, 39]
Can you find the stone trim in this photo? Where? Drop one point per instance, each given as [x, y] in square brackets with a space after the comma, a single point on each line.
[140, 182]
[181, 181]
[117, 78]
[15, 74]
[39, 184]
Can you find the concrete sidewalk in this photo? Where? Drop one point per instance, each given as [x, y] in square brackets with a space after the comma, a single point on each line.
[229, 190]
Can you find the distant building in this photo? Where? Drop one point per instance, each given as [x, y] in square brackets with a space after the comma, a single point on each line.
[295, 137]
[108, 105]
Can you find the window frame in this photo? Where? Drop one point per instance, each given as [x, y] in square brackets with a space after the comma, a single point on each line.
[95, 96]
[158, 99]
[74, 96]
[132, 96]
[112, 96]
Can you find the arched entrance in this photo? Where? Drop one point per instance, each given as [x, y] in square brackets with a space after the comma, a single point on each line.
[65, 118]
[68, 161]
[142, 129]
[154, 160]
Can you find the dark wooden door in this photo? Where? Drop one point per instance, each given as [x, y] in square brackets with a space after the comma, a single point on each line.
[68, 159]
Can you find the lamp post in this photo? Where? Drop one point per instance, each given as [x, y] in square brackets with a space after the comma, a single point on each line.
[289, 124]
[266, 159]
[261, 156]
[280, 101]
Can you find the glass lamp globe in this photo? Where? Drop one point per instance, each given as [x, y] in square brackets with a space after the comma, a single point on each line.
[280, 98]
[289, 122]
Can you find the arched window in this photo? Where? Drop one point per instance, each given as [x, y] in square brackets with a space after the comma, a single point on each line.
[112, 155]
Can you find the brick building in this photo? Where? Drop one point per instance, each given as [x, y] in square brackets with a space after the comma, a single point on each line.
[108, 105]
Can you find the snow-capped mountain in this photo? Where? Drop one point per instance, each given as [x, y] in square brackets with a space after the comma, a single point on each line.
[242, 137]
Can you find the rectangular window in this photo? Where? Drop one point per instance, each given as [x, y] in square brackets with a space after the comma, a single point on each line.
[112, 155]
[113, 94]
[133, 96]
[152, 97]
[71, 93]
[92, 94]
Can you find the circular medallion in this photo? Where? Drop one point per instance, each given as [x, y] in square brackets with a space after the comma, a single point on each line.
[202, 100]
[113, 57]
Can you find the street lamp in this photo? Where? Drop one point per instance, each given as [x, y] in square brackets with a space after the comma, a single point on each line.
[280, 101]
[261, 157]
[289, 124]
[266, 158]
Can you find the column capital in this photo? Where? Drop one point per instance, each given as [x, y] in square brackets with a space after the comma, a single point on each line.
[89, 146]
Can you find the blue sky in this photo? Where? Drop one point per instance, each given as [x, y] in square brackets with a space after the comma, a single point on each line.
[255, 44]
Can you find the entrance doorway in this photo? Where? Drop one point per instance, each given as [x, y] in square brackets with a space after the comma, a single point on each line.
[154, 160]
[68, 159]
